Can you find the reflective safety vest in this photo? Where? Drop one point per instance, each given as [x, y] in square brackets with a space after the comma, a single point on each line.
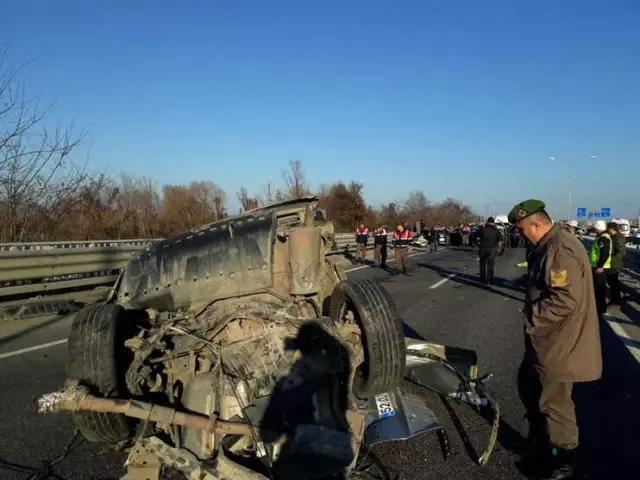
[594, 253]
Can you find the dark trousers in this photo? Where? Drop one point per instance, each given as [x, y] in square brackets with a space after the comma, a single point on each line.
[613, 279]
[549, 408]
[380, 254]
[487, 264]
[433, 245]
[600, 286]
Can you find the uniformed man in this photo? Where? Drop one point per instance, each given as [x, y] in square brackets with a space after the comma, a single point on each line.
[572, 227]
[380, 245]
[362, 237]
[401, 239]
[617, 262]
[489, 240]
[433, 239]
[600, 255]
[466, 232]
[562, 339]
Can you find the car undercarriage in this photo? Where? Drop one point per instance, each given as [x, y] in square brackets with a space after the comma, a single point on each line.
[241, 351]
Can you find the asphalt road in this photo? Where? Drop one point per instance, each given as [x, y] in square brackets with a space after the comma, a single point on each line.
[435, 304]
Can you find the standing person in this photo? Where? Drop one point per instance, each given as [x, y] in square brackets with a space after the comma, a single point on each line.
[401, 239]
[562, 339]
[466, 232]
[433, 239]
[380, 243]
[572, 228]
[489, 239]
[362, 237]
[617, 262]
[600, 256]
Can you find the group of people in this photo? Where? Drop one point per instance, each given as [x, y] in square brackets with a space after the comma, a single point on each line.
[606, 255]
[565, 292]
[401, 241]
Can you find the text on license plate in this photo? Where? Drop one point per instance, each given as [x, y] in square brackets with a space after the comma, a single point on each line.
[385, 406]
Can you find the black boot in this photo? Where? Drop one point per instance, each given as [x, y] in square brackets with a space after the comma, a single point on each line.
[532, 446]
[534, 454]
[561, 465]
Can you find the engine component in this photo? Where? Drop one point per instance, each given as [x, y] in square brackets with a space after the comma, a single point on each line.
[206, 394]
[307, 271]
[77, 398]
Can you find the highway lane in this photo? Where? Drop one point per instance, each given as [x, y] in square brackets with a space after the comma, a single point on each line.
[442, 302]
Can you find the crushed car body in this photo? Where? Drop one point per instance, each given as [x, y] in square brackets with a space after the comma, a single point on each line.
[240, 350]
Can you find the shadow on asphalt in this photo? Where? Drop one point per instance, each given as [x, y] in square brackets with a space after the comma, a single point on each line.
[411, 333]
[474, 281]
[632, 313]
[34, 328]
[608, 412]
[467, 250]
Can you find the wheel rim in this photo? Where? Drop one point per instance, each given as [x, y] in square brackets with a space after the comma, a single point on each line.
[350, 329]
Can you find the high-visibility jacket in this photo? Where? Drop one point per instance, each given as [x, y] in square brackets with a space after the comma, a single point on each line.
[594, 253]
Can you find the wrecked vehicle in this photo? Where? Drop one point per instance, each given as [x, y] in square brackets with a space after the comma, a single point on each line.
[240, 350]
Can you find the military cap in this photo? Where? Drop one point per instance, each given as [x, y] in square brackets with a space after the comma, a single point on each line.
[525, 209]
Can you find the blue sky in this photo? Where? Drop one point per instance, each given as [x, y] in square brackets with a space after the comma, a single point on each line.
[463, 99]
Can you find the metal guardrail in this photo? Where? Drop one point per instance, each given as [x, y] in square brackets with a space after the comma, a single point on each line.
[12, 247]
[38, 268]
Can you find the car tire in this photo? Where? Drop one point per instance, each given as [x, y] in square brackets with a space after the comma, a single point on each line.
[97, 358]
[382, 334]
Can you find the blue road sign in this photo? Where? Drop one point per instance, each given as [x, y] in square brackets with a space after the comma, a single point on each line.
[581, 212]
[605, 212]
[595, 214]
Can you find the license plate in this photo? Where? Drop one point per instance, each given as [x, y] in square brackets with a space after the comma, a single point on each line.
[385, 406]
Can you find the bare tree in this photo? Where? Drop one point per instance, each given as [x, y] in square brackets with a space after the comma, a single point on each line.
[246, 202]
[295, 180]
[271, 194]
[36, 171]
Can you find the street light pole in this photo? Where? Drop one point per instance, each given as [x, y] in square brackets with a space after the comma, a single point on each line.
[571, 180]
[570, 189]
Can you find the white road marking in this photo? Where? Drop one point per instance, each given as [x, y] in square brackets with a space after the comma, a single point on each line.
[622, 333]
[31, 349]
[444, 280]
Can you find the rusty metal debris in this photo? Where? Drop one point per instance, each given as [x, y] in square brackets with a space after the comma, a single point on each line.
[77, 398]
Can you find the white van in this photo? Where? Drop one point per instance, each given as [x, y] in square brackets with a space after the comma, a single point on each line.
[624, 227]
